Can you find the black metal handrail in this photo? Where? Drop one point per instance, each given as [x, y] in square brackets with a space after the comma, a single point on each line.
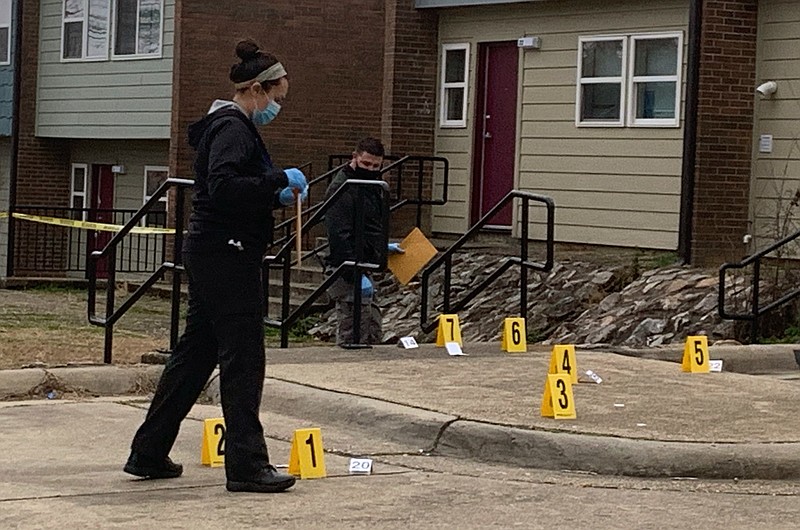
[397, 164]
[282, 260]
[288, 224]
[756, 311]
[112, 315]
[446, 259]
[44, 248]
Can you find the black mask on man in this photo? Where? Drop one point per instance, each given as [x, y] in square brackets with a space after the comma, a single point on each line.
[367, 174]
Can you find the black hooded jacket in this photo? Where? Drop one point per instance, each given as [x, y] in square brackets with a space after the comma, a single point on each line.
[340, 223]
[236, 184]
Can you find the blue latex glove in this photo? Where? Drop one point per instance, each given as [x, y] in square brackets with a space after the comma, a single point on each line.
[296, 179]
[394, 248]
[286, 197]
[367, 290]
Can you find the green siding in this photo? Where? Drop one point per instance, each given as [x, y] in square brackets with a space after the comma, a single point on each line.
[116, 99]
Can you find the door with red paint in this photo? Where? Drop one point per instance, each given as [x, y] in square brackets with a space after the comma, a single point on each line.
[101, 211]
[495, 130]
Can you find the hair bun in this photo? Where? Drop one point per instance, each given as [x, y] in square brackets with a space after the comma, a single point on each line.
[247, 50]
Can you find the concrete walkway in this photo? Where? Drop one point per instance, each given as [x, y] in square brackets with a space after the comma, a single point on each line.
[647, 418]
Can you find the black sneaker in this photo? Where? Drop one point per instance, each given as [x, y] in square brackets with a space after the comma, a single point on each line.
[146, 467]
[269, 480]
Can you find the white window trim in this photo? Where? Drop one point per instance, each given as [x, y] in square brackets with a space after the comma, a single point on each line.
[136, 56]
[627, 93]
[8, 26]
[443, 121]
[677, 79]
[8, 62]
[82, 194]
[111, 38]
[601, 80]
[85, 37]
[164, 199]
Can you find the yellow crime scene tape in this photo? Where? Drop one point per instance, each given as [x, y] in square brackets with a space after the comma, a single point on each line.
[87, 225]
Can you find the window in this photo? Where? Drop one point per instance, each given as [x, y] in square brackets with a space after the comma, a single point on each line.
[629, 80]
[5, 31]
[154, 176]
[86, 26]
[655, 92]
[85, 29]
[138, 27]
[78, 191]
[600, 87]
[455, 70]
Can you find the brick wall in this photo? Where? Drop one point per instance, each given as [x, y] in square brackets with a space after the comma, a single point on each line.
[724, 134]
[409, 96]
[333, 52]
[356, 68]
[43, 163]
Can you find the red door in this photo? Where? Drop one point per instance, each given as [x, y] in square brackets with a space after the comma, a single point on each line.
[101, 211]
[495, 130]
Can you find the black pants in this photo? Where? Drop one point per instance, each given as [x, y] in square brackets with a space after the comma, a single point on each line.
[224, 325]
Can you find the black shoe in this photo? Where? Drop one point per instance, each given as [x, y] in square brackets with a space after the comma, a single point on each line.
[146, 467]
[269, 480]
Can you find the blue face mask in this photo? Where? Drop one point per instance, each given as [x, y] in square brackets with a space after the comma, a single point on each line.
[263, 117]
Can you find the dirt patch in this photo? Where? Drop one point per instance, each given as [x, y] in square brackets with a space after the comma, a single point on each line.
[49, 327]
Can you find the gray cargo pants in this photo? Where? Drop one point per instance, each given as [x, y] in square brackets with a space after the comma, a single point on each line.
[371, 319]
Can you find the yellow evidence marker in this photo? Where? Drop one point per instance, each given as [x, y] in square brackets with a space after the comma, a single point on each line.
[562, 361]
[514, 339]
[449, 330]
[213, 451]
[557, 400]
[695, 355]
[307, 458]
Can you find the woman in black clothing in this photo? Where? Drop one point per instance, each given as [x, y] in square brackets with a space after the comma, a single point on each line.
[235, 191]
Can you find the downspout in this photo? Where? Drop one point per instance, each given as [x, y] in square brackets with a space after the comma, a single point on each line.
[15, 97]
[690, 131]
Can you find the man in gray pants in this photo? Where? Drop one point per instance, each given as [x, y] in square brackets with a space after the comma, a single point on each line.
[340, 224]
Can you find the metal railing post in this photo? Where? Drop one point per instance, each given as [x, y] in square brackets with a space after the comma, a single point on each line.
[756, 293]
[448, 271]
[177, 259]
[420, 169]
[110, 300]
[523, 256]
[286, 275]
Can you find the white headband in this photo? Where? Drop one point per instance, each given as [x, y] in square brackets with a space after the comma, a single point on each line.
[273, 73]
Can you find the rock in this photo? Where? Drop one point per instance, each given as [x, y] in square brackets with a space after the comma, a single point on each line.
[576, 302]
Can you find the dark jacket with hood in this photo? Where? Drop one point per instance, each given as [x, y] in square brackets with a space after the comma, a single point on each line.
[340, 223]
[236, 184]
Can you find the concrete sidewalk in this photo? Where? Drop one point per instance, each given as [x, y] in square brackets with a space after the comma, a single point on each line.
[647, 418]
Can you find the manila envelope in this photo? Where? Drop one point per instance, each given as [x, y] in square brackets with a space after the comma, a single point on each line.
[418, 252]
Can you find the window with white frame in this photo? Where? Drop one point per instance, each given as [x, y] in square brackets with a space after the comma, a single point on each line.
[632, 80]
[85, 29]
[654, 81]
[455, 74]
[154, 176]
[5, 32]
[78, 191]
[600, 80]
[138, 27]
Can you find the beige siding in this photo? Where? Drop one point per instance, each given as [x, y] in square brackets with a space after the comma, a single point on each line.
[120, 99]
[128, 187]
[777, 174]
[614, 186]
[5, 168]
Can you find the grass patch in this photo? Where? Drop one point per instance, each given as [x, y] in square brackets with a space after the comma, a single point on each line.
[298, 332]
